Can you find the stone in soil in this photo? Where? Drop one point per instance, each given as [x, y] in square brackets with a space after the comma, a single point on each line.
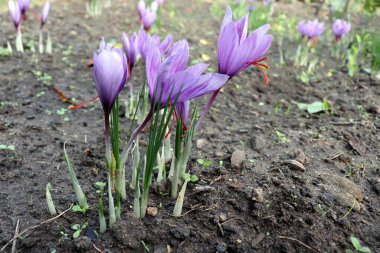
[237, 158]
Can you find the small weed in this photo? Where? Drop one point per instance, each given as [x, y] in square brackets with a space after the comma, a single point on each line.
[204, 164]
[77, 209]
[7, 147]
[78, 229]
[357, 245]
[146, 247]
[281, 137]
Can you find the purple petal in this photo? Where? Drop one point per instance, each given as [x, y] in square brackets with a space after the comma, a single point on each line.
[228, 43]
[153, 64]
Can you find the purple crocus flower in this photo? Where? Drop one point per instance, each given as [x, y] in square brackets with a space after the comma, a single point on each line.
[170, 79]
[340, 28]
[236, 51]
[24, 6]
[159, 2]
[45, 13]
[145, 41]
[110, 74]
[15, 13]
[148, 18]
[130, 50]
[141, 8]
[311, 29]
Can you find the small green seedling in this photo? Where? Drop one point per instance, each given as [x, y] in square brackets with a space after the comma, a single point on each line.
[7, 147]
[204, 164]
[101, 186]
[78, 209]
[194, 178]
[281, 137]
[78, 229]
[357, 245]
[315, 107]
[146, 247]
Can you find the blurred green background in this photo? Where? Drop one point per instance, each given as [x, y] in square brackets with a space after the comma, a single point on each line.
[4, 4]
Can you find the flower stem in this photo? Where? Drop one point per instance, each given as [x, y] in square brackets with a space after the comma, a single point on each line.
[111, 205]
[206, 109]
[179, 203]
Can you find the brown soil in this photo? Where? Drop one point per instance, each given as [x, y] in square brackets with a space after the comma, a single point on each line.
[315, 210]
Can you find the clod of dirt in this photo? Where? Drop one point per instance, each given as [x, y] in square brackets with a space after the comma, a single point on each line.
[300, 156]
[129, 232]
[201, 143]
[237, 158]
[355, 143]
[257, 240]
[152, 211]
[221, 247]
[258, 195]
[83, 243]
[259, 143]
[180, 231]
[346, 192]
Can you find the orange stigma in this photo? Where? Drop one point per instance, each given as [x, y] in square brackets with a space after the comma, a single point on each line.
[261, 66]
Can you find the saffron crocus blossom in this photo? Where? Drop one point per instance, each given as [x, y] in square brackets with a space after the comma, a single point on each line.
[148, 18]
[159, 2]
[141, 8]
[24, 6]
[236, 51]
[45, 13]
[15, 13]
[170, 80]
[311, 29]
[146, 41]
[340, 28]
[130, 50]
[110, 74]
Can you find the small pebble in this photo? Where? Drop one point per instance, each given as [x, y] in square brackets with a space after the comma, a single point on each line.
[222, 217]
[152, 211]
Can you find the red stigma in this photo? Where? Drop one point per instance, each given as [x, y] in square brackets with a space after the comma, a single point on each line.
[261, 66]
[83, 104]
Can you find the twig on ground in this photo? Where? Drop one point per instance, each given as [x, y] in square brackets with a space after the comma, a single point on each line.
[205, 188]
[33, 227]
[97, 249]
[16, 234]
[295, 240]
